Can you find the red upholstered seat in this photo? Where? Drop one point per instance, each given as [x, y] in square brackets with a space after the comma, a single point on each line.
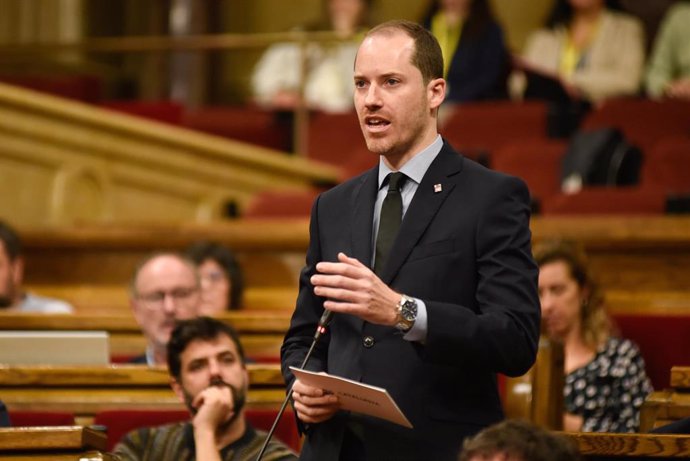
[85, 88]
[487, 126]
[162, 111]
[41, 418]
[281, 204]
[606, 200]
[643, 121]
[536, 161]
[337, 139]
[119, 422]
[667, 165]
[242, 123]
[664, 341]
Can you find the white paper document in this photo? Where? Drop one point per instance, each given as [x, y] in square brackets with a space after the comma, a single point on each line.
[356, 396]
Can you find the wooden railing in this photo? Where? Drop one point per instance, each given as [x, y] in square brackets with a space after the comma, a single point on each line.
[668, 405]
[607, 446]
[60, 443]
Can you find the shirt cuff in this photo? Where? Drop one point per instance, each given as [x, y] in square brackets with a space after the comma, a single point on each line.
[419, 329]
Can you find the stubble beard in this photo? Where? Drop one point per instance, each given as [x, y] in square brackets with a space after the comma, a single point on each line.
[239, 399]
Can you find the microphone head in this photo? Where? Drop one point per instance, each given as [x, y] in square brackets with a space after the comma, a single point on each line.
[326, 318]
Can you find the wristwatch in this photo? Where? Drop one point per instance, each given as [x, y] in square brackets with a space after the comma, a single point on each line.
[407, 313]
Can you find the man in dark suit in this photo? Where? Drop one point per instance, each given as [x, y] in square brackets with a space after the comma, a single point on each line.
[454, 301]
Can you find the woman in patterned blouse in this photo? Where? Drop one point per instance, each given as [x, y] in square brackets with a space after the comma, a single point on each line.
[605, 382]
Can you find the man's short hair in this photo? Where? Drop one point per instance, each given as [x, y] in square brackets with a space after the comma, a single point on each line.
[520, 440]
[427, 56]
[10, 240]
[135, 274]
[203, 328]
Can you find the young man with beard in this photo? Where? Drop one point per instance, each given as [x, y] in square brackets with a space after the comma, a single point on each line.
[430, 310]
[208, 373]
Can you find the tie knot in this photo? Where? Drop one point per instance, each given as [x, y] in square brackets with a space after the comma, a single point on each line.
[396, 181]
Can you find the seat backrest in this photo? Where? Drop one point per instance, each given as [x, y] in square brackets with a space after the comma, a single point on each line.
[664, 341]
[281, 204]
[607, 200]
[667, 165]
[537, 162]
[24, 418]
[119, 422]
[642, 121]
[486, 126]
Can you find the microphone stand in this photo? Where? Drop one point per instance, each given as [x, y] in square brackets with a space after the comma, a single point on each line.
[320, 330]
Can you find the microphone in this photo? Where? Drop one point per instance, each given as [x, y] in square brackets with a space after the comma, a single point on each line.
[324, 321]
[321, 329]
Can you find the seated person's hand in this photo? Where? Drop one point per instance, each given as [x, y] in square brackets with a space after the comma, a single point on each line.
[214, 407]
[313, 405]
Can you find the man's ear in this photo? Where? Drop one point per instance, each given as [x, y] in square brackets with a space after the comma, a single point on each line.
[436, 92]
[177, 389]
[18, 271]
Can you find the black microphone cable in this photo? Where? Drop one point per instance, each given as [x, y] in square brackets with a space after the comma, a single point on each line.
[324, 321]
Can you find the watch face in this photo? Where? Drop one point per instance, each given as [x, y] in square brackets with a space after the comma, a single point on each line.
[408, 310]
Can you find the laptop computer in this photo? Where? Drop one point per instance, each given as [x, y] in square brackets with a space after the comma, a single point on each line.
[54, 348]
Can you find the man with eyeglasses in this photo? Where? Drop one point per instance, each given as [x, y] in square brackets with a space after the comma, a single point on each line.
[164, 288]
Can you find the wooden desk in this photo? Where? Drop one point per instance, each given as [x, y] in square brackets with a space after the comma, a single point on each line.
[606, 446]
[85, 390]
[646, 256]
[261, 332]
[669, 405]
[52, 443]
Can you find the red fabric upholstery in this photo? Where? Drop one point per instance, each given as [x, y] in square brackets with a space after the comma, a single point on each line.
[667, 165]
[486, 126]
[41, 418]
[120, 422]
[85, 88]
[162, 111]
[538, 162]
[280, 204]
[643, 121]
[664, 341]
[606, 200]
[242, 123]
[337, 139]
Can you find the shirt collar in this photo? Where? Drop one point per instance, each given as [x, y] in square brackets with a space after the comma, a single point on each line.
[416, 167]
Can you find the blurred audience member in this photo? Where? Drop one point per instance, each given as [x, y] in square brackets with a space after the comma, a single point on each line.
[220, 276]
[514, 440]
[606, 382]
[669, 67]
[4, 416]
[164, 288]
[328, 81]
[12, 296]
[475, 58]
[594, 51]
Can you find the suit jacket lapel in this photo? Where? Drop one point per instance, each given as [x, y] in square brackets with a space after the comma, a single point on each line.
[426, 202]
[362, 217]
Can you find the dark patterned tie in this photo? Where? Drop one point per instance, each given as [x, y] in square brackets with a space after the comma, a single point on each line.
[389, 220]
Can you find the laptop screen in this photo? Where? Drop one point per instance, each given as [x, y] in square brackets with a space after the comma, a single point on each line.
[54, 348]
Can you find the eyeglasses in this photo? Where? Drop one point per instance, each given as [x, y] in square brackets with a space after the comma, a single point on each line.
[158, 297]
[212, 277]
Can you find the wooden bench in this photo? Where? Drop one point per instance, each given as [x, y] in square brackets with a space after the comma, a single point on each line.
[606, 446]
[668, 405]
[638, 260]
[62, 443]
[85, 390]
[261, 332]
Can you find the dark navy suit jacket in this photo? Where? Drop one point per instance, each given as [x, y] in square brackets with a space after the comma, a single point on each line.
[464, 249]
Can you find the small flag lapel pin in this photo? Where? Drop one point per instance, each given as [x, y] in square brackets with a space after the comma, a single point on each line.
[437, 188]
